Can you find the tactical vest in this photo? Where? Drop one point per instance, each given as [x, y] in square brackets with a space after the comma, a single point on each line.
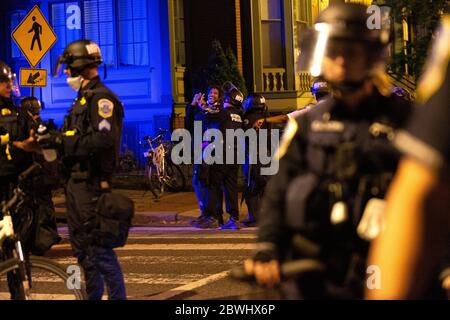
[9, 124]
[345, 160]
[79, 122]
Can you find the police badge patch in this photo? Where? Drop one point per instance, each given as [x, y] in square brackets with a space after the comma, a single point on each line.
[105, 108]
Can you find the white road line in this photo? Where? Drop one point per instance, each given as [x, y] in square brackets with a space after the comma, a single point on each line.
[165, 279]
[151, 261]
[189, 287]
[41, 296]
[195, 236]
[160, 230]
[178, 246]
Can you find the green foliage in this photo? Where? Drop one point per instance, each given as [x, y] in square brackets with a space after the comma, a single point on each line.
[221, 67]
[424, 17]
[235, 75]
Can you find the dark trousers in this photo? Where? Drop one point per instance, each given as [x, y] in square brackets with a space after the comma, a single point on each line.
[100, 264]
[255, 184]
[224, 178]
[202, 188]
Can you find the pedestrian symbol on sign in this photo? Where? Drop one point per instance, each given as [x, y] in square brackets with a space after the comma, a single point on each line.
[37, 29]
[34, 36]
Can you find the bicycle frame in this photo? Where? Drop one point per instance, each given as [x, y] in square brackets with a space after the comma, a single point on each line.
[7, 230]
[157, 156]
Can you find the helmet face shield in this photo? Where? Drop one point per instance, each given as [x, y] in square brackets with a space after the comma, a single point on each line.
[334, 58]
[313, 48]
[77, 56]
[342, 46]
[7, 76]
[57, 70]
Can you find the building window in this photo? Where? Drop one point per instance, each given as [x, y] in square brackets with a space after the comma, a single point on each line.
[16, 18]
[99, 26]
[101, 21]
[133, 38]
[302, 12]
[180, 42]
[272, 35]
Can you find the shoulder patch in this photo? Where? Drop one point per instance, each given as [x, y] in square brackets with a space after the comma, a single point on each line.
[289, 134]
[437, 63]
[104, 125]
[105, 108]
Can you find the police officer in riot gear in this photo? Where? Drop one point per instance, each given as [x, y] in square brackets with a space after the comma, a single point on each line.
[224, 176]
[13, 128]
[320, 90]
[255, 109]
[334, 160]
[89, 143]
[413, 251]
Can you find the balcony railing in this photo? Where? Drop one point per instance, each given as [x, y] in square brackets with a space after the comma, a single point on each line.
[304, 81]
[274, 79]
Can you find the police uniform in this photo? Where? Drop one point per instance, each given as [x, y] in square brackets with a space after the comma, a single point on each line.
[13, 127]
[331, 154]
[92, 131]
[427, 137]
[255, 183]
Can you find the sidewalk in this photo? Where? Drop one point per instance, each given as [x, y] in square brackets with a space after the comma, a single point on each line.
[173, 209]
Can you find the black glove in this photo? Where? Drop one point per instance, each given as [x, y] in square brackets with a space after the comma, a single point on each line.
[49, 139]
[265, 256]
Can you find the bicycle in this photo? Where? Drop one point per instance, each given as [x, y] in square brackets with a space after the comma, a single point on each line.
[23, 276]
[161, 172]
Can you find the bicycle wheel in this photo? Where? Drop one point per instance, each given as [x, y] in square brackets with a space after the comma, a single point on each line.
[155, 185]
[49, 280]
[174, 178]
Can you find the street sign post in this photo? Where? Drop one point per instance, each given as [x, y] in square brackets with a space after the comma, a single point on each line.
[33, 77]
[34, 36]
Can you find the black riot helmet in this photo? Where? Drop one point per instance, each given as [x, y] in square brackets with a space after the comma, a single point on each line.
[255, 102]
[320, 88]
[5, 72]
[6, 75]
[345, 30]
[232, 94]
[79, 55]
[31, 105]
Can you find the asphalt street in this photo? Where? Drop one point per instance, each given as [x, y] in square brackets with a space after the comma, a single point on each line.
[180, 263]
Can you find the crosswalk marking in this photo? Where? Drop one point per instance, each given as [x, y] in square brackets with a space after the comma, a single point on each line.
[178, 246]
[42, 296]
[166, 266]
[190, 286]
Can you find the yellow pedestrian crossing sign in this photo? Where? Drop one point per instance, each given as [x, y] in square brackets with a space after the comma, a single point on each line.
[34, 36]
[33, 77]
